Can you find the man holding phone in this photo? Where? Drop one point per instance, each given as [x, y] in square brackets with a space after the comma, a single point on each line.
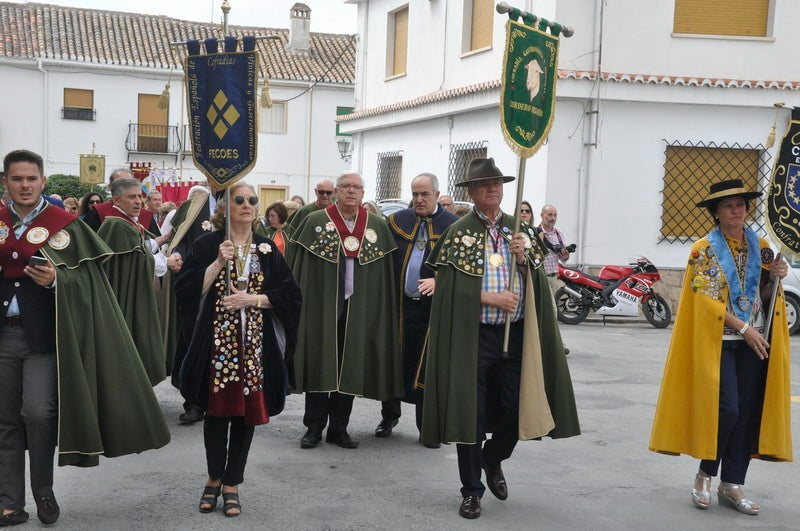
[46, 395]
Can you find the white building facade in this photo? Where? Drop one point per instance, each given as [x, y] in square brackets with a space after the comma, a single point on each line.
[655, 99]
[98, 86]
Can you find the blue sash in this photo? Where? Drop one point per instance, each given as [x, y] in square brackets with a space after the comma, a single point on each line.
[741, 303]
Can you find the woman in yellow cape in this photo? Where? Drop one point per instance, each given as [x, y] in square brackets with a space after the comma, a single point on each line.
[725, 395]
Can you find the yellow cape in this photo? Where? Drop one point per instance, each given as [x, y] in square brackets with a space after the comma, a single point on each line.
[687, 413]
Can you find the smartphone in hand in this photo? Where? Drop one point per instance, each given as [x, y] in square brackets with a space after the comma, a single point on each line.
[37, 260]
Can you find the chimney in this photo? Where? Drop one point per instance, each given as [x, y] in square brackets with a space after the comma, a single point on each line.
[300, 14]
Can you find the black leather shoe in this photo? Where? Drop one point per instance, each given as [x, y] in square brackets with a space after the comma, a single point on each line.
[47, 509]
[384, 429]
[496, 481]
[341, 438]
[470, 507]
[193, 414]
[14, 518]
[311, 439]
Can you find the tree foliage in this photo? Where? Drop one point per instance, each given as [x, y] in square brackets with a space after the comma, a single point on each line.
[70, 185]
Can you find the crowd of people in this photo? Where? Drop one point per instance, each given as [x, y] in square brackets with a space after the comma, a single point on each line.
[451, 313]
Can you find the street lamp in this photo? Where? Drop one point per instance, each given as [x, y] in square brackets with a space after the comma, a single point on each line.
[345, 149]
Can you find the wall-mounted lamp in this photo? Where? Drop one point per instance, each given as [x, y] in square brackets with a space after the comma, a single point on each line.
[345, 149]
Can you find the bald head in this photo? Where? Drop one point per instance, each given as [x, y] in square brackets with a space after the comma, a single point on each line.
[324, 192]
[549, 216]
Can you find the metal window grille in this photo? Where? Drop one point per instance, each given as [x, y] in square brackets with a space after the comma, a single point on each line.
[390, 166]
[689, 169]
[460, 157]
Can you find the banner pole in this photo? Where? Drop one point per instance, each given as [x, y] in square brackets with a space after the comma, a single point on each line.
[226, 8]
[512, 271]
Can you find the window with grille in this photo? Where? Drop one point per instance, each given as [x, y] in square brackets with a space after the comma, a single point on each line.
[273, 120]
[390, 168]
[78, 104]
[689, 169]
[747, 18]
[460, 157]
[397, 47]
[478, 23]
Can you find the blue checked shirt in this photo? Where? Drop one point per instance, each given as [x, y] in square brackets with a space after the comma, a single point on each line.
[495, 279]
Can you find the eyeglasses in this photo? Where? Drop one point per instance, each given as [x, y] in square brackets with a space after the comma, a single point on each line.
[446, 204]
[356, 187]
[239, 200]
[95, 201]
[324, 192]
[525, 210]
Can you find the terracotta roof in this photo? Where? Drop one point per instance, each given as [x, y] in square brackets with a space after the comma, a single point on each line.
[485, 86]
[93, 36]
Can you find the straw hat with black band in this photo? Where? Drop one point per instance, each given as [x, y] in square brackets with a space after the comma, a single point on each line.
[730, 188]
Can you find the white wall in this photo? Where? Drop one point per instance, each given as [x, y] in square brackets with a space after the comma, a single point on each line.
[32, 120]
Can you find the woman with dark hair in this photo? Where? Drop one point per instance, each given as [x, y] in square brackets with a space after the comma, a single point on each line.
[239, 365]
[87, 202]
[526, 213]
[275, 226]
[725, 393]
[299, 200]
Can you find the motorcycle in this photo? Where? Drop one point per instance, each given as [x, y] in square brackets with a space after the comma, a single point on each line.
[616, 290]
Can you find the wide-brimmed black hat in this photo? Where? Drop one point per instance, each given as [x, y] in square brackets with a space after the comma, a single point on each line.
[729, 188]
[480, 170]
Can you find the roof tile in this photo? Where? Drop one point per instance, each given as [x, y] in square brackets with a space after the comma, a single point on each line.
[42, 31]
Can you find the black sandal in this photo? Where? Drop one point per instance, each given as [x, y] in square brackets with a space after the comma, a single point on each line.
[209, 498]
[13, 518]
[231, 501]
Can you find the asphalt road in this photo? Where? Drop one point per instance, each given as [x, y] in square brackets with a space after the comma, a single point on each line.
[604, 479]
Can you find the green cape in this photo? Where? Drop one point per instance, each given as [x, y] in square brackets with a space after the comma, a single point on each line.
[547, 401]
[131, 274]
[371, 365]
[106, 405]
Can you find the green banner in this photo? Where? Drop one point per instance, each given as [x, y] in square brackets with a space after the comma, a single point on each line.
[528, 92]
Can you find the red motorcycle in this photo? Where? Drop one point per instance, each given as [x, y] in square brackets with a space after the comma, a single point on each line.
[616, 290]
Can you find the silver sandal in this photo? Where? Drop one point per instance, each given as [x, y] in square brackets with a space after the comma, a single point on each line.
[702, 498]
[743, 505]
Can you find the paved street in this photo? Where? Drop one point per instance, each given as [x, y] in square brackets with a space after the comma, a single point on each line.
[604, 479]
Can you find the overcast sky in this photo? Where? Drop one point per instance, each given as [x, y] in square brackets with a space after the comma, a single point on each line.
[327, 16]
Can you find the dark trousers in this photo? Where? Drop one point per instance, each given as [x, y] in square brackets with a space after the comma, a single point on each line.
[499, 379]
[741, 395]
[226, 458]
[416, 314]
[28, 417]
[334, 406]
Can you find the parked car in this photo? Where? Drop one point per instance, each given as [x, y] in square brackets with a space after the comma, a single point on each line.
[791, 287]
[390, 206]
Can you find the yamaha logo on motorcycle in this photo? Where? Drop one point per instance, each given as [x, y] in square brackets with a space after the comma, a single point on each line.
[616, 291]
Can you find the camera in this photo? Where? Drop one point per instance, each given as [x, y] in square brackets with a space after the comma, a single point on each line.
[569, 248]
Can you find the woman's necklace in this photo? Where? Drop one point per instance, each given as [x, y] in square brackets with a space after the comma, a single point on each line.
[242, 250]
[741, 252]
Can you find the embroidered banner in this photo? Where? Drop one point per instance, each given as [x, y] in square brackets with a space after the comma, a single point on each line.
[93, 169]
[783, 200]
[527, 95]
[221, 98]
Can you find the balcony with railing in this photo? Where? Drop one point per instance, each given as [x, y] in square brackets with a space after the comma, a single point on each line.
[156, 139]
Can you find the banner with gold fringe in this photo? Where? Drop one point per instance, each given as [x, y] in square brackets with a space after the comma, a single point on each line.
[783, 200]
[528, 92]
[221, 93]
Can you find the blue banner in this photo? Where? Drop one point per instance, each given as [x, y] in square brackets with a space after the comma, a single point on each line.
[221, 93]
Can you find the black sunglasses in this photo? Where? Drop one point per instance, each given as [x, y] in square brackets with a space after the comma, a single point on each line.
[95, 201]
[524, 210]
[324, 192]
[239, 200]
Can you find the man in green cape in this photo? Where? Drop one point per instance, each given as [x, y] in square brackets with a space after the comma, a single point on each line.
[70, 374]
[471, 386]
[131, 272]
[191, 220]
[324, 193]
[348, 341]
